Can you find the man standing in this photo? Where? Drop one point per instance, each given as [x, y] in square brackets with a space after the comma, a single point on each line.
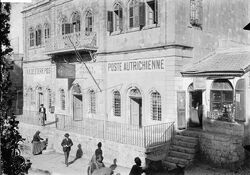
[66, 144]
[42, 114]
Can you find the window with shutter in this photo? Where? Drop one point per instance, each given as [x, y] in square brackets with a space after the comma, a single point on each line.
[156, 106]
[31, 31]
[89, 23]
[152, 12]
[196, 13]
[46, 31]
[142, 14]
[38, 36]
[118, 18]
[76, 24]
[134, 13]
[110, 22]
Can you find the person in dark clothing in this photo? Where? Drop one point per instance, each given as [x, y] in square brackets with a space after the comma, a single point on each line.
[98, 151]
[66, 144]
[42, 114]
[137, 169]
[79, 152]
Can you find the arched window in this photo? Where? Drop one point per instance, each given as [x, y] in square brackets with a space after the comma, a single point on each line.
[92, 101]
[32, 37]
[118, 18]
[221, 95]
[116, 103]
[39, 35]
[76, 24]
[156, 106]
[46, 31]
[62, 99]
[49, 98]
[133, 13]
[196, 12]
[89, 22]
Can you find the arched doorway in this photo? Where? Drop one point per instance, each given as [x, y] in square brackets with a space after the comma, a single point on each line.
[77, 102]
[135, 100]
[195, 107]
[40, 95]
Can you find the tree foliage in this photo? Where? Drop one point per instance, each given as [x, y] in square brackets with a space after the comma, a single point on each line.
[12, 163]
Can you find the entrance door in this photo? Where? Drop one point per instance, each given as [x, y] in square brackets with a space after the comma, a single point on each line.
[77, 107]
[40, 99]
[181, 109]
[195, 108]
[135, 111]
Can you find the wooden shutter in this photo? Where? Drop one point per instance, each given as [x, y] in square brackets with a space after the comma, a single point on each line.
[110, 21]
[120, 19]
[63, 29]
[142, 19]
[199, 16]
[36, 37]
[156, 11]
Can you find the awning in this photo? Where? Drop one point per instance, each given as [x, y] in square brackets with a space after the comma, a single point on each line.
[220, 64]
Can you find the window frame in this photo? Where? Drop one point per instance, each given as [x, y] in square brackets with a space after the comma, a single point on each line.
[133, 8]
[118, 17]
[89, 19]
[196, 13]
[76, 22]
[62, 99]
[117, 103]
[154, 11]
[38, 35]
[156, 106]
[32, 37]
[46, 31]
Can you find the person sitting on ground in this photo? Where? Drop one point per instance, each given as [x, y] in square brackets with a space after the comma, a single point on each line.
[38, 145]
[137, 169]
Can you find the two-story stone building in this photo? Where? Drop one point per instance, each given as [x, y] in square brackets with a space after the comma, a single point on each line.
[129, 59]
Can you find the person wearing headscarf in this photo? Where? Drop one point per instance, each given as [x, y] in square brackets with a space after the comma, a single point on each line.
[38, 144]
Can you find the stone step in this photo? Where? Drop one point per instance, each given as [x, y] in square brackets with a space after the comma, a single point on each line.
[184, 144]
[189, 133]
[182, 155]
[169, 165]
[182, 149]
[177, 160]
[186, 139]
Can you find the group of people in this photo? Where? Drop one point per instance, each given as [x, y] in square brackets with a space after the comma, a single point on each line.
[96, 165]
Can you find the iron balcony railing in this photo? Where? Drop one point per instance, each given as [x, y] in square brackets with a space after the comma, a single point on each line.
[62, 43]
[144, 136]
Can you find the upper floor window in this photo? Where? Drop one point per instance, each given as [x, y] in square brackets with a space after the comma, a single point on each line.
[32, 38]
[92, 101]
[62, 99]
[66, 27]
[89, 23]
[133, 13]
[117, 103]
[196, 13]
[46, 31]
[38, 35]
[152, 12]
[76, 24]
[118, 18]
[156, 106]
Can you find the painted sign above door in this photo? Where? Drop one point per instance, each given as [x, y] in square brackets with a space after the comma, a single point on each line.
[137, 65]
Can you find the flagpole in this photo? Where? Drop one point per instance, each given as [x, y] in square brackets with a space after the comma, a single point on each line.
[81, 59]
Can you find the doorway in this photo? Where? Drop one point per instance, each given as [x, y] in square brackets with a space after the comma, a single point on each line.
[77, 107]
[195, 108]
[135, 101]
[40, 99]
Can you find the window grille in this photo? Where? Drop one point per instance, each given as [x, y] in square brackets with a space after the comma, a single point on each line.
[49, 96]
[89, 23]
[92, 102]
[46, 31]
[32, 41]
[118, 18]
[117, 104]
[196, 13]
[156, 106]
[62, 97]
[76, 24]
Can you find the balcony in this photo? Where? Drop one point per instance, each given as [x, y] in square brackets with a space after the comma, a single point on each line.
[61, 43]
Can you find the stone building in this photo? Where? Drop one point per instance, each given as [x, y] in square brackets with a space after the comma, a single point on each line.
[139, 54]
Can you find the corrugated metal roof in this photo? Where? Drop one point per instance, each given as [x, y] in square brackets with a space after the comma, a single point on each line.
[230, 63]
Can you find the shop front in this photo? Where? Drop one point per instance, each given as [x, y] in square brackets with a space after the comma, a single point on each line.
[223, 92]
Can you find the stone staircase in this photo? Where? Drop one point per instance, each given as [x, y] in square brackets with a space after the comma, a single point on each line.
[183, 149]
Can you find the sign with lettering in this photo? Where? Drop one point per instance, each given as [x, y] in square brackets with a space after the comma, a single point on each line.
[38, 70]
[136, 65]
[65, 70]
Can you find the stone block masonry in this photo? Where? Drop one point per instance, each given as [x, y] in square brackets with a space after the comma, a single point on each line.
[222, 150]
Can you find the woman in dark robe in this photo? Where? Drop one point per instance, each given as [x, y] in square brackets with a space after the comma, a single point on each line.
[38, 145]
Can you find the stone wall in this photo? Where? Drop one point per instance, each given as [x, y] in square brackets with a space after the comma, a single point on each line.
[222, 150]
[124, 154]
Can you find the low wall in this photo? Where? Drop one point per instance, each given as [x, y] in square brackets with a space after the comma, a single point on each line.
[124, 154]
[221, 144]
